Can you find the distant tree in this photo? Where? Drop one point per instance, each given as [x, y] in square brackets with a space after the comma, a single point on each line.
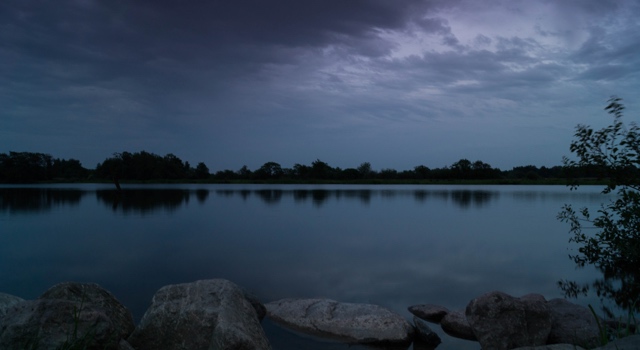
[201, 172]
[301, 171]
[610, 241]
[112, 168]
[421, 172]
[321, 170]
[173, 167]
[461, 169]
[25, 167]
[388, 174]
[70, 169]
[365, 170]
[244, 172]
[143, 166]
[525, 172]
[269, 170]
[482, 170]
[350, 174]
[226, 175]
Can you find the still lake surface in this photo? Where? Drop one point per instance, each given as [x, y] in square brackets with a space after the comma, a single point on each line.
[391, 245]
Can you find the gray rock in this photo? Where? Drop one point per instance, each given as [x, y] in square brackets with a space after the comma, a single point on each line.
[424, 334]
[7, 301]
[48, 324]
[429, 312]
[91, 295]
[348, 322]
[207, 314]
[501, 321]
[456, 325]
[572, 324]
[80, 314]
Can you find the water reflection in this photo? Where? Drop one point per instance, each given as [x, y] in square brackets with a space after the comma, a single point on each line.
[17, 200]
[202, 195]
[388, 245]
[270, 196]
[462, 198]
[146, 200]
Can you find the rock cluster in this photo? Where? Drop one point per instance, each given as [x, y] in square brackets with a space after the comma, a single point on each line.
[500, 321]
[209, 314]
[217, 314]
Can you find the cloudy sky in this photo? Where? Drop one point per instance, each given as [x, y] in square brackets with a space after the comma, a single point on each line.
[395, 83]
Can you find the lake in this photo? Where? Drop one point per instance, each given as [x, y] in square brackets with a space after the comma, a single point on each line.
[391, 245]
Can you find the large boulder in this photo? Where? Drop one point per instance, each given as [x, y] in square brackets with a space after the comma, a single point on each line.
[572, 324]
[7, 301]
[348, 322]
[69, 315]
[206, 314]
[501, 321]
[93, 296]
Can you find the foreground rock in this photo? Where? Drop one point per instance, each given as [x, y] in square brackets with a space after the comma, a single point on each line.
[503, 322]
[82, 315]
[207, 314]
[354, 323]
[572, 324]
[95, 297]
[7, 301]
[500, 321]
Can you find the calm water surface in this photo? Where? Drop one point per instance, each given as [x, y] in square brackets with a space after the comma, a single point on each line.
[394, 246]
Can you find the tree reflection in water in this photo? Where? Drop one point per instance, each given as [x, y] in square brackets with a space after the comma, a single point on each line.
[21, 199]
[144, 200]
[461, 198]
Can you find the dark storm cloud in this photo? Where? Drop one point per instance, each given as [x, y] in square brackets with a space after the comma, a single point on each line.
[160, 44]
[144, 30]
[236, 82]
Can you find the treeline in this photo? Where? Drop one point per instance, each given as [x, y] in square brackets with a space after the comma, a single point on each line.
[319, 170]
[27, 167]
[145, 166]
